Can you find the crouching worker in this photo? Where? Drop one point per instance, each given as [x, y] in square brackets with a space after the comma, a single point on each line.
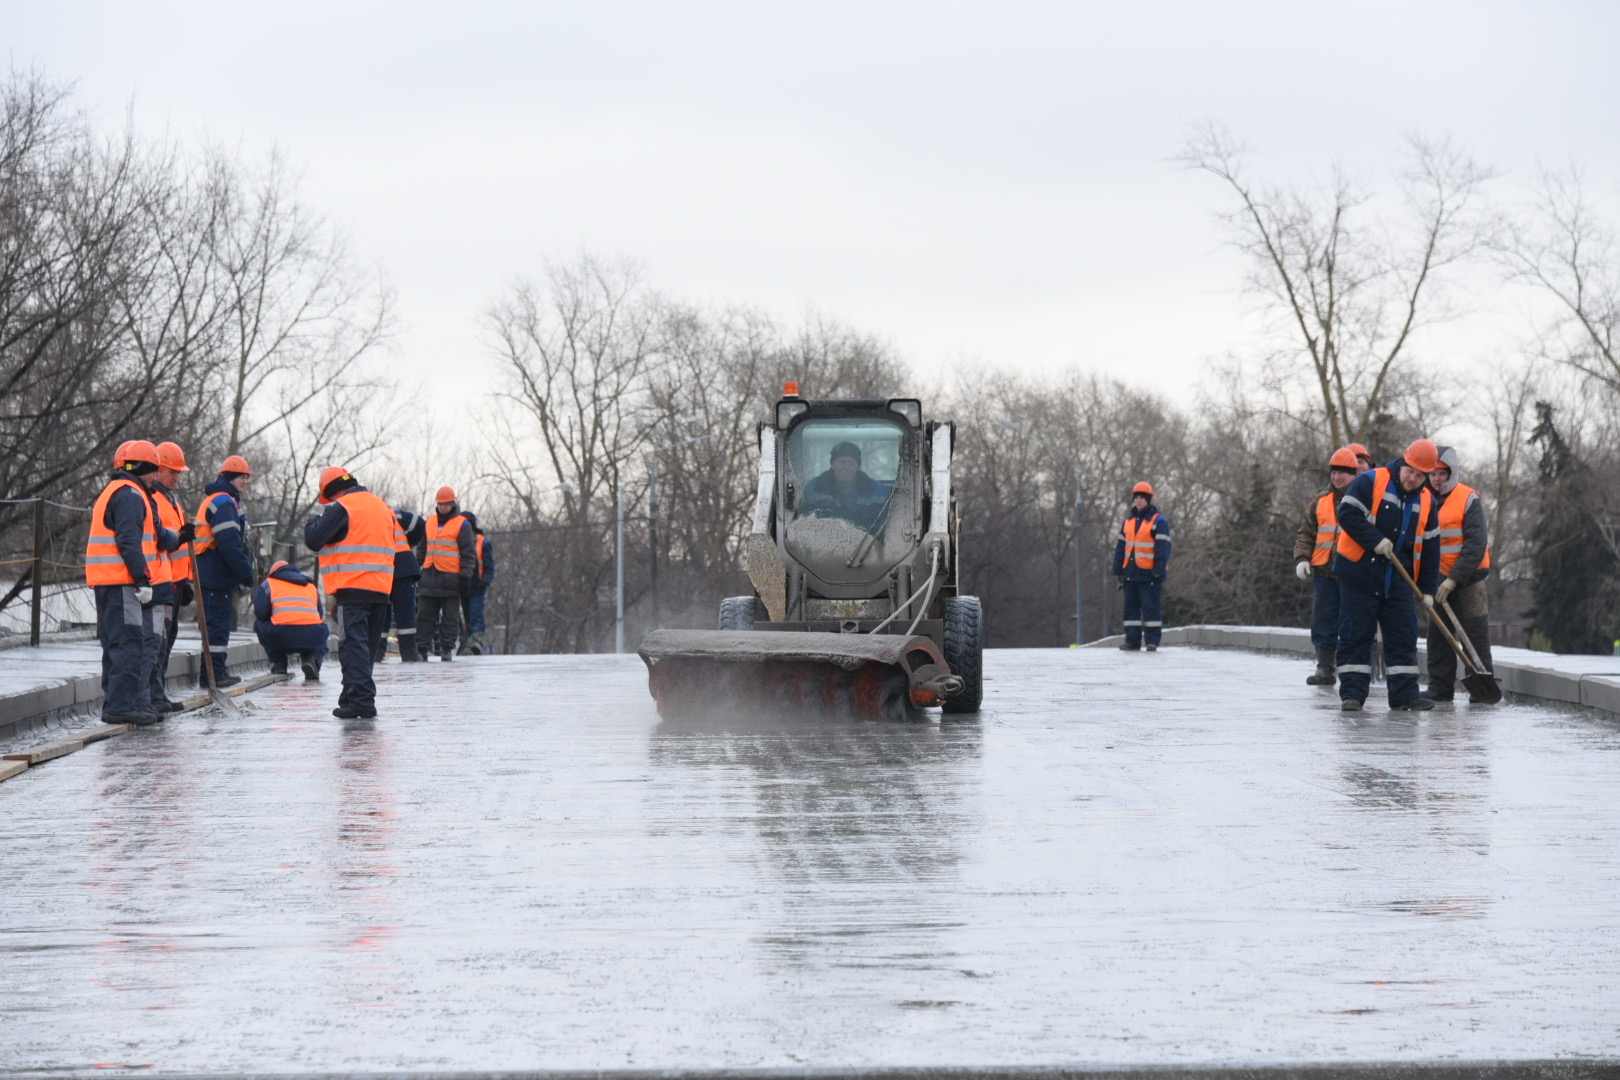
[290, 618]
[1386, 515]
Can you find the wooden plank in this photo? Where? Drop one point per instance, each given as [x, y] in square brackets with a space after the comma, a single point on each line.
[46, 751]
[102, 731]
[257, 683]
[8, 769]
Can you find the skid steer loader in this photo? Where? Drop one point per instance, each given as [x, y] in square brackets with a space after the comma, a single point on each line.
[852, 553]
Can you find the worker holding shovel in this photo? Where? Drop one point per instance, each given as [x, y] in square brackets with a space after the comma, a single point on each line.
[1465, 564]
[1388, 536]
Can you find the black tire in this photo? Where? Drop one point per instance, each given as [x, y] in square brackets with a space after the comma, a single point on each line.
[738, 612]
[964, 651]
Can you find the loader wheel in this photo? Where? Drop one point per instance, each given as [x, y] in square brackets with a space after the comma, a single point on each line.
[964, 652]
[738, 612]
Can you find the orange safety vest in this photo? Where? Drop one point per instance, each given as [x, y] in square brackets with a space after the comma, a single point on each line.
[1354, 551]
[204, 540]
[364, 559]
[1327, 530]
[1451, 528]
[292, 604]
[170, 516]
[443, 551]
[478, 550]
[103, 565]
[1139, 541]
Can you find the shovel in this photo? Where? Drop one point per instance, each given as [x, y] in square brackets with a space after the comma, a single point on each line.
[1481, 685]
[226, 705]
[1473, 654]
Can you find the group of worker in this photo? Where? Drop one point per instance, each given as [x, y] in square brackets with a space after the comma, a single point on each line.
[144, 561]
[1377, 545]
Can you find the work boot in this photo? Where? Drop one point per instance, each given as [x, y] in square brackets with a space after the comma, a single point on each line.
[447, 655]
[1325, 675]
[412, 657]
[1350, 705]
[139, 719]
[277, 668]
[1128, 647]
[1151, 648]
[343, 712]
[312, 668]
[168, 705]
[1417, 704]
[1434, 693]
[221, 681]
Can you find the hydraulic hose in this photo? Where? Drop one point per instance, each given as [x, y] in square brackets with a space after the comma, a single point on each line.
[933, 572]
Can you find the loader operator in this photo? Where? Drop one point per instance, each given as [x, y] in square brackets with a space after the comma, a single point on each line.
[845, 490]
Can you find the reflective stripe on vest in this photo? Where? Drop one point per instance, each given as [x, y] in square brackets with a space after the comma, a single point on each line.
[1452, 511]
[1139, 541]
[103, 565]
[171, 517]
[1380, 495]
[443, 549]
[363, 559]
[204, 540]
[1327, 530]
[292, 604]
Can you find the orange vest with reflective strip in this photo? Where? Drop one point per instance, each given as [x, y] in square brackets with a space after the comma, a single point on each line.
[478, 549]
[364, 559]
[1354, 551]
[171, 517]
[1451, 528]
[1139, 541]
[1327, 530]
[204, 540]
[292, 604]
[103, 565]
[443, 551]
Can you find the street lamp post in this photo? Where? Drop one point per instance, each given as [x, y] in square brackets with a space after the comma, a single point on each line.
[652, 515]
[1079, 514]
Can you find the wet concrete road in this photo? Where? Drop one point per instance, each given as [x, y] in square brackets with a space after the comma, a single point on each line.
[1184, 857]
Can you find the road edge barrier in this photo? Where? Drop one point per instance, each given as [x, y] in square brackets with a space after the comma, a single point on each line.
[1589, 681]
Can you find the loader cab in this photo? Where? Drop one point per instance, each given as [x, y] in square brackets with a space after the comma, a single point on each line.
[849, 500]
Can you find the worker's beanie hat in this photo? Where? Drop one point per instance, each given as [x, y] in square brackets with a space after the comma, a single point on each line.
[846, 449]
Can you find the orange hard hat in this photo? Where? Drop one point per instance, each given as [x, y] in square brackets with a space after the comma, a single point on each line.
[1144, 488]
[446, 494]
[329, 475]
[1422, 455]
[1344, 458]
[170, 456]
[118, 454]
[236, 463]
[1359, 450]
[139, 450]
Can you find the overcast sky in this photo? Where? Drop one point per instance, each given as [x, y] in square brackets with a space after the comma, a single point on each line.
[988, 182]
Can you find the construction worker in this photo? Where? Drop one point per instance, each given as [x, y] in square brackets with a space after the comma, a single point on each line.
[472, 606]
[449, 561]
[356, 538]
[171, 463]
[290, 619]
[1465, 564]
[1364, 458]
[223, 565]
[121, 560]
[845, 490]
[1141, 561]
[407, 574]
[1314, 544]
[1386, 514]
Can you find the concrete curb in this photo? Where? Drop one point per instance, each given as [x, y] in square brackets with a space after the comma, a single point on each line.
[54, 704]
[1590, 681]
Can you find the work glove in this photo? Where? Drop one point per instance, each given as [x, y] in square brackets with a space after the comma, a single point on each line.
[1428, 602]
[1302, 570]
[143, 595]
[184, 594]
[1446, 588]
[188, 532]
[1385, 547]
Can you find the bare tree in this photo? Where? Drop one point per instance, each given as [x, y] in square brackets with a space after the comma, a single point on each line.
[1349, 294]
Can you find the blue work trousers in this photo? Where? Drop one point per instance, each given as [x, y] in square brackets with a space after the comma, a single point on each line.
[128, 649]
[163, 629]
[403, 602]
[1144, 612]
[360, 628]
[1361, 613]
[221, 615]
[1325, 612]
[472, 611]
[308, 639]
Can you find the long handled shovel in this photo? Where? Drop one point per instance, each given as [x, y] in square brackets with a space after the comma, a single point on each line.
[1481, 684]
[226, 705]
[1473, 654]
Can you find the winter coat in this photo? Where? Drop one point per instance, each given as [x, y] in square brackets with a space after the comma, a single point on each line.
[406, 565]
[1305, 539]
[226, 565]
[331, 528]
[1161, 548]
[1396, 518]
[444, 583]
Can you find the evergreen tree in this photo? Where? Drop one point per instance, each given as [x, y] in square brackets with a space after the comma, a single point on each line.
[1575, 594]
